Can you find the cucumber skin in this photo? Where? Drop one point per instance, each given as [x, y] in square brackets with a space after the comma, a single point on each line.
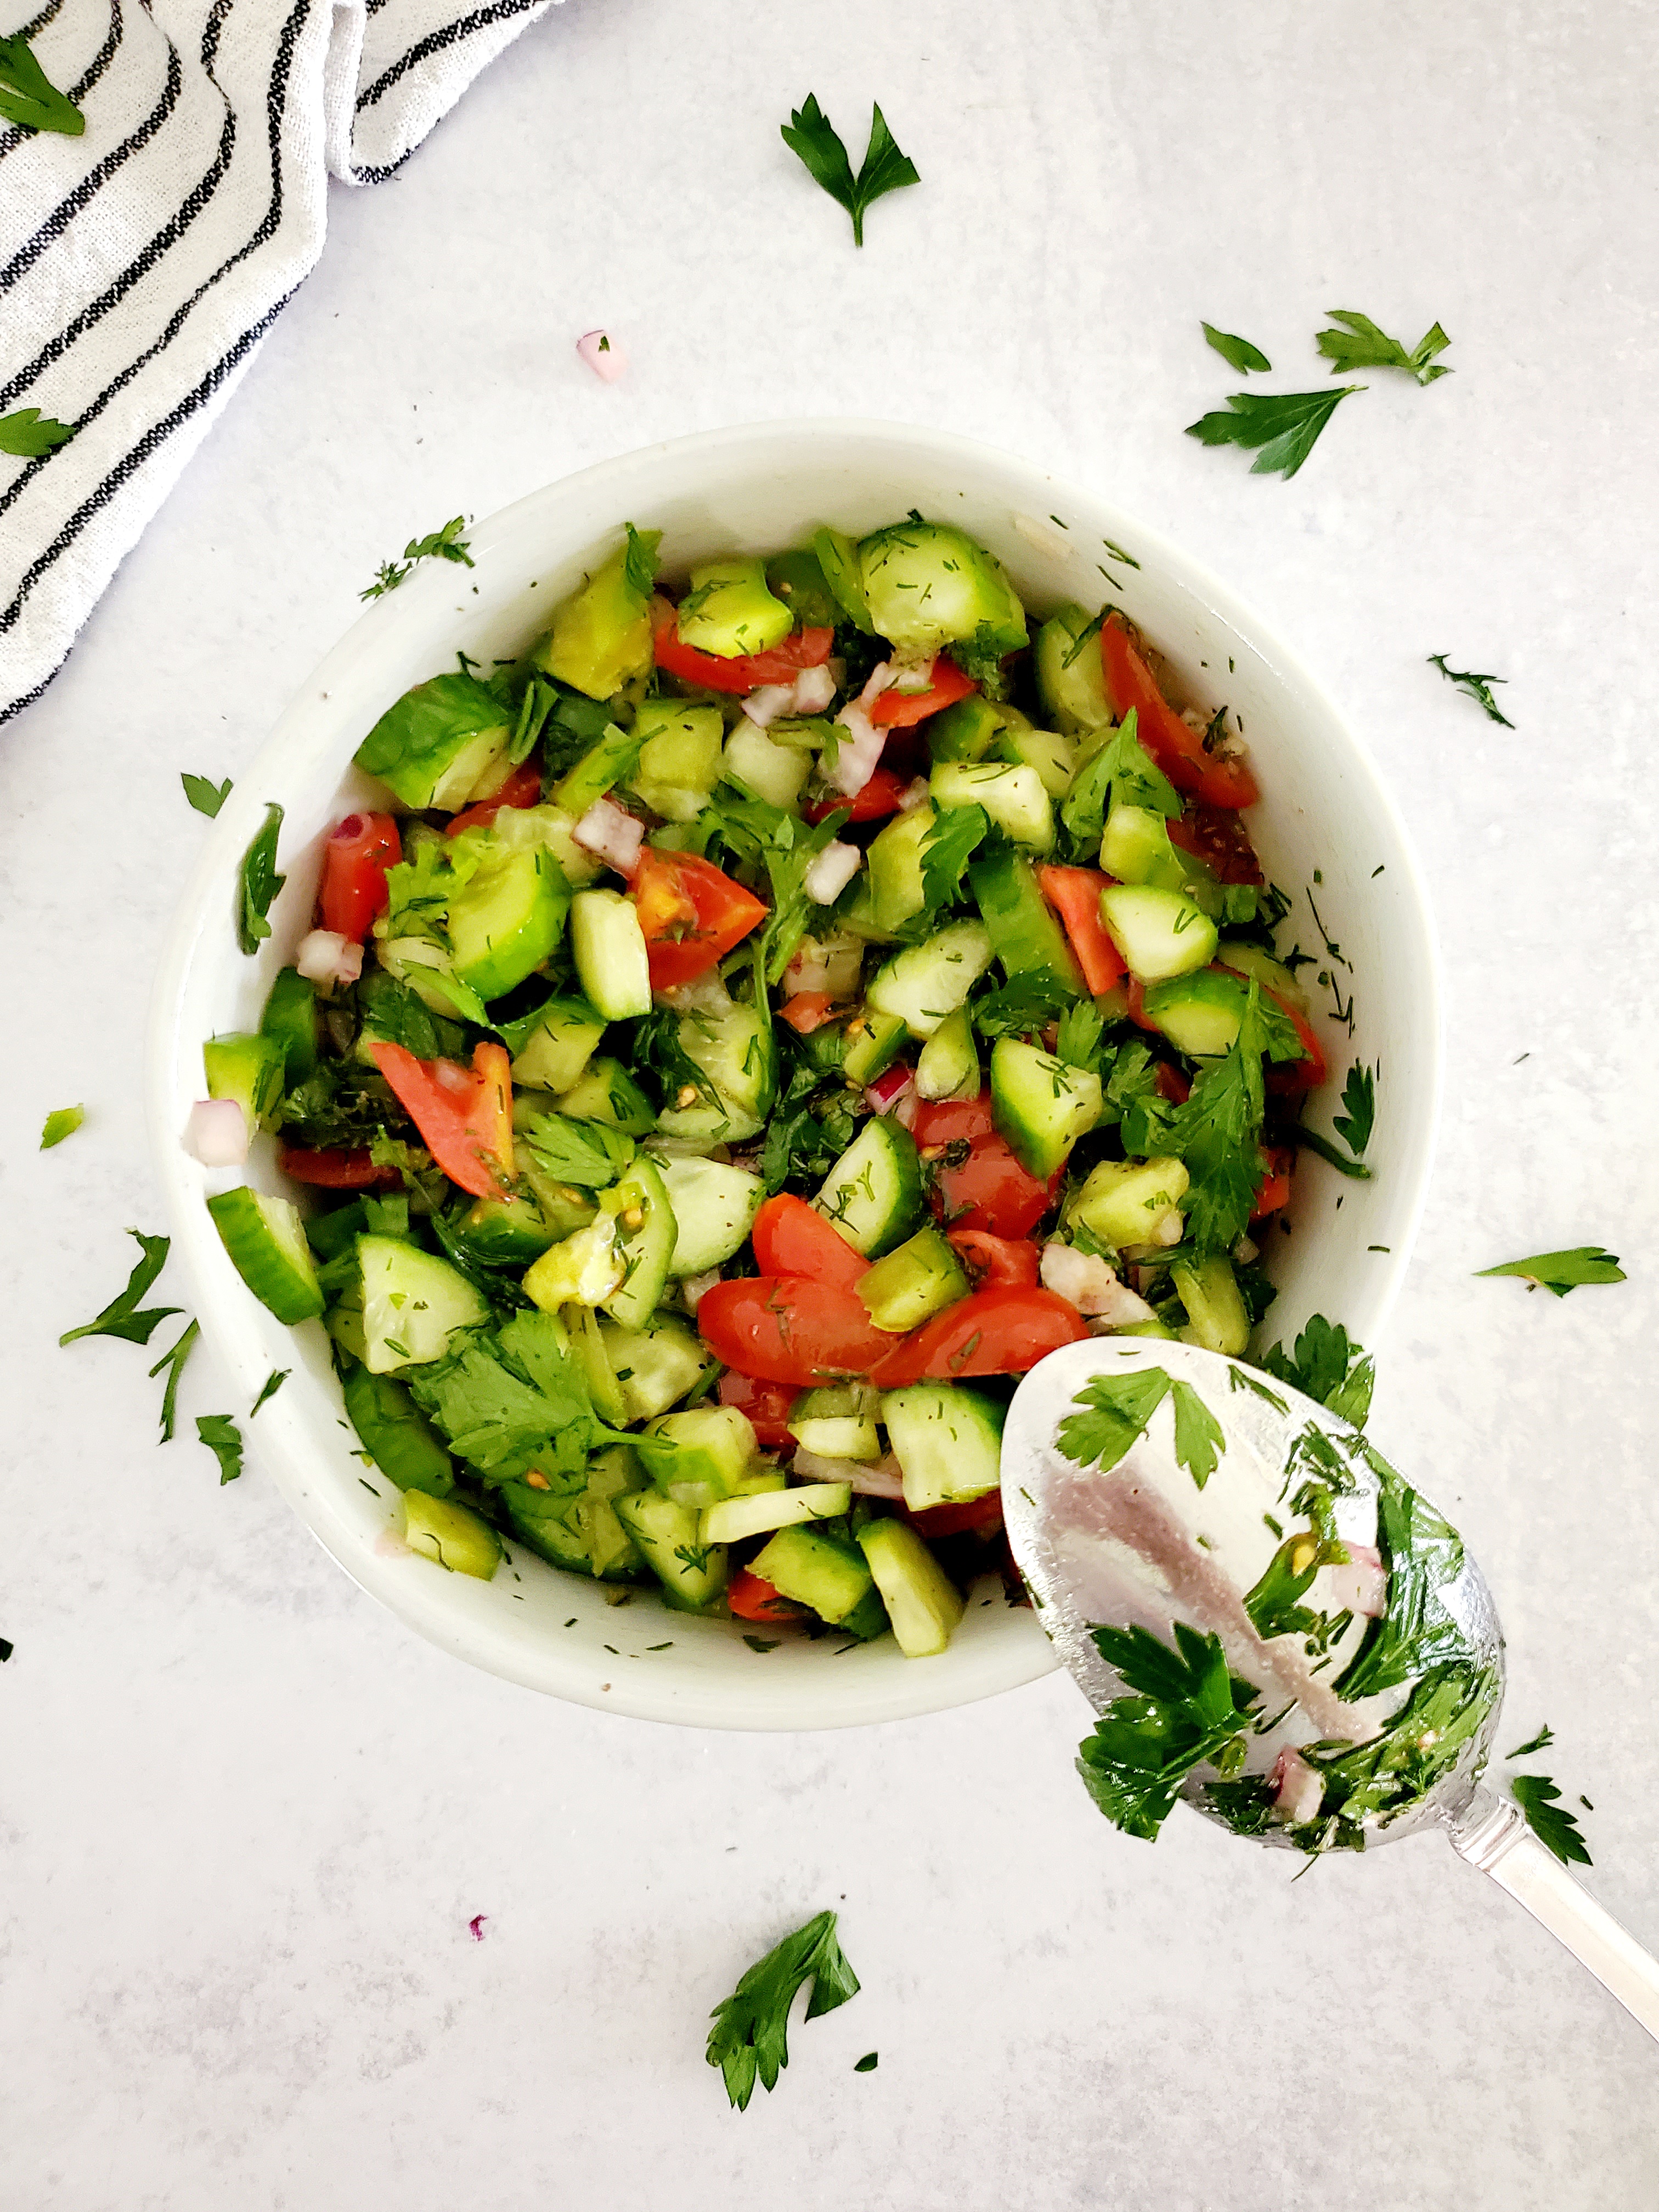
[287, 1284]
[890, 1150]
[452, 1534]
[815, 1570]
[1027, 939]
[923, 1604]
[397, 1436]
[1039, 1105]
[611, 954]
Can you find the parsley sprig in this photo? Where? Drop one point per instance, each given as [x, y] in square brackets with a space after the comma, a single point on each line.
[1562, 1272]
[1190, 1711]
[29, 99]
[1284, 425]
[1357, 342]
[1327, 1366]
[123, 1316]
[1237, 353]
[750, 2037]
[27, 433]
[1476, 685]
[1556, 1828]
[1117, 1410]
[811, 135]
[258, 881]
[224, 1440]
[445, 545]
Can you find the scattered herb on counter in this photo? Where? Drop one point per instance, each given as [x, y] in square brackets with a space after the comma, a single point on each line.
[749, 2034]
[810, 134]
[1478, 687]
[121, 1316]
[173, 1361]
[273, 1383]
[1359, 343]
[445, 545]
[29, 99]
[224, 1440]
[258, 881]
[6, 1649]
[1285, 425]
[868, 2063]
[1556, 1828]
[63, 1121]
[1562, 1272]
[203, 794]
[30, 433]
[1237, 353]
[1541, 1742]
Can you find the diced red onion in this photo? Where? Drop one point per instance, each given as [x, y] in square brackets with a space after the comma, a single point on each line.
[602, 354]
[326, 957]
[695, 1288]
[858, 751]
[475, 1926]
[612, 834]
[1089, 1283]
[915, 795]
[879, 679]
[814, 689]
[828, 872]
[1298, 1789]
[216, 1132]
[879, 1478]
[885, 1093]
[1361, 1587]
[763, 706]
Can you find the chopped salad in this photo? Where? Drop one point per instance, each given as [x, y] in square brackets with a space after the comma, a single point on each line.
[752, 1030]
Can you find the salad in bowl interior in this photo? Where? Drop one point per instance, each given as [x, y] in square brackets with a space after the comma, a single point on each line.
[737, 1037]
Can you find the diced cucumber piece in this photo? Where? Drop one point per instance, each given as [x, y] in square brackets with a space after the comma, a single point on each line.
[506, 921]
[581, 1532]
[443, 1529]
[654, 1366]
[1039, 1105]
[704, 1453]
[928, 982]
[552, 1047]
[601, 635]
[729, 611]
[563, 1207]
[894, 862]
[504, 1233]
[1128, 1202]
[731, 1519]
[266, 1241]
[1070, 679]
[646, 1235]
[1027, 939]
[396, 1434]
[826, 1572]
[1202, 1015]
[715, 1208]
[291, 1019]
[1013, 798]
[607, 1092]
[427, 971]
[552, 828]
[917, 1280]
[1153, 1327]
[249, 1069]
[928, 584]
[679, 762]
[588, 1340]
[730, 1042]
[336, 1232]
[611, 956]
[856, 912]
[874, 1042]
[923, 1604]
[1159, 934]
[692, 1573]
[1216, 1316]
[1271, 974]
[797, 579]
[837, 1423]
[838, 557]
[436, 742]
[1135, 848]
[583, 1269]
[965, 731]
[947, 1440]
[775, 773]
[600, 769]
[413, 1302]
[873, 1193]
[1052, 755]
[947, 1066]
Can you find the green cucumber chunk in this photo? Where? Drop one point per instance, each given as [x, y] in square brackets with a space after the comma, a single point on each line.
[923, 1604]
[947, 1066]
[503, 1233]
[700, 1454]
[609, 951]
[1039, 1105]
[413, 1302]
[775, 773]
[1216, 1316]
[947, 1440]
[838, 1422]
[600, 767]
[1271, 974]
[1136, 848]
[873, 1042]
[926, 983]
[715, 1208]
[827, 1573]
[1027, 939]
[928, 584]
[894, 863]
[584, 1268]
[692, 1573]
[586, 1334]
[601, 635]
[916, 1281]
[729, 1043]
[266, 1241]
[396, 1434]
[964, 732]
[579, 1531]
[1014, 798]
[444, 1529]
[436, 742]
[247, 1067]
[551, 1047]
[1159, 934]
[1070, 678]
[605, 1091]
[290, 1020]
[873, 1193]
[731, 1519]
[679, 762]
[838, 558]
[505, 922]
[1202, 1015]
[654, 1366]
[1126, 1203]
[647, 1232]
[728, 610]
[1053, 757]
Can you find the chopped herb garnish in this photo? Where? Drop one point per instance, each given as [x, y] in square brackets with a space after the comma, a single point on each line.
[203, 794]
[811, 135]
[173, 1361]
[445, 545]
[1556, 1828]
[224, 1440]
[1327, 1367]
[1359, 343]
[749, 2036]
[1478, 687]
[30, 99]
[121, 1316]
[273, 1383]
[1562, 1272]
[1190, 1712]
[1285, 425]
[1237, 353]
[258, 881]
[868, 2063]
[1354, 1125]
[63, 1121]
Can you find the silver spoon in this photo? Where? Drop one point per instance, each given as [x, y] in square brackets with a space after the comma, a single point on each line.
[1314, 1661]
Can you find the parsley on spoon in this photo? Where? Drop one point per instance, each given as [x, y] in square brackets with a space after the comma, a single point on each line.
[1271, 1623]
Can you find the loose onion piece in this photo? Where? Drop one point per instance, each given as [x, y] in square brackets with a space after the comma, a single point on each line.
[693, 1288]
[326, 957]
[612, 834]
[1089, 1283]
[828, 872]
[858, 752]
[216, 1132]
[814, 689]
[885, 1092]
[1362, 1586]
[1298, 1788]
[764, 705]
[915, 795]
[603, 355]
[880, 1478]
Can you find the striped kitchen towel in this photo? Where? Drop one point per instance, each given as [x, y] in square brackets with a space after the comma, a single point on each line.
[142, 262]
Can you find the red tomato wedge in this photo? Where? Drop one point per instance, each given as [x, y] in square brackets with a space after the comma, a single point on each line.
[1179, 751]
[465, 1115]
[752, 1598]
[522, 789]
[780, 664]
[991, 1188]
[787, 1329]
[990, 1260]
[1003, 1330]
[1310, 1071]
[1074, 894]
[353, 895]
[1215, 835]
[333, 1168]
[1278, 1160]
[806, 1011]
[692, 914]
[883, 794]
[983, 1514]
[767, 1405]
[791, 1238]
[895, 710]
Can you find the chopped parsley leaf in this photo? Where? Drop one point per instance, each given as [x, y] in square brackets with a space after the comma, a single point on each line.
[224, 1440]
[750, 2037]
[1237, 353]
[810, 134]
[203, 794]
[63, 1121]
[1562, 1272]
[121, 1316]
[1285, 425]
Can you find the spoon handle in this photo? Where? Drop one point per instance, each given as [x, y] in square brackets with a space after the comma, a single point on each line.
[1492, 1835]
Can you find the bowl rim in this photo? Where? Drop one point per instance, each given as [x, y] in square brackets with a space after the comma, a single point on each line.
[644, 1694]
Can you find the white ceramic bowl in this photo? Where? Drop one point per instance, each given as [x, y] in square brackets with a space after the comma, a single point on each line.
[1325, 824]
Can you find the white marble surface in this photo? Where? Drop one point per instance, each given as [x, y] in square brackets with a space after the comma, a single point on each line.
[246, 1818]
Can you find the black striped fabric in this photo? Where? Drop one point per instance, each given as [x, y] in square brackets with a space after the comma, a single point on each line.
[141, 264]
